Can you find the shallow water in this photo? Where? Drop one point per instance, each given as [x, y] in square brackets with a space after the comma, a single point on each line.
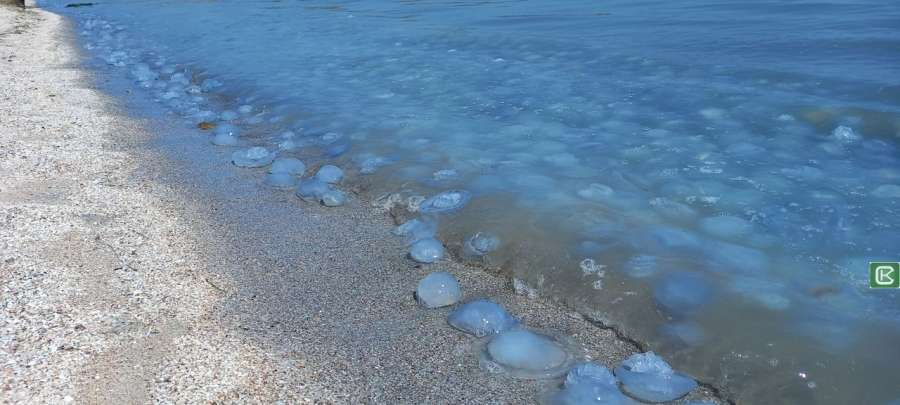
[712, 176]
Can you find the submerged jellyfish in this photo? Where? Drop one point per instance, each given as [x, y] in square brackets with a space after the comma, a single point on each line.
[438, 289]
[682, 293]
[256, 156]
[226, 135]
[686, 333]
[641, 266]
[312, 189]
[524, 353]
[210, 84]
[333, 198]
[281, 180]
[480, 244]
[228, 115]
[726, 227]
[445, 202]
[649, 378]
[370, 163]
[427, 250]
[416, 229]
[330, 174]
[481, 317]
[292, 166]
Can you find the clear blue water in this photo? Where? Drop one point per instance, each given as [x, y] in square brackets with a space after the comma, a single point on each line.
[710, 176]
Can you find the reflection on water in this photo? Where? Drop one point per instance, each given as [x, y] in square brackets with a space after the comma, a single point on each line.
[711, 176]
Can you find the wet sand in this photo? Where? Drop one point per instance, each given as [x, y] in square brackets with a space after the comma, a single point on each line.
[138, 266]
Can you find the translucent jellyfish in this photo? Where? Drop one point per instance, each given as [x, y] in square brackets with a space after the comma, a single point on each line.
[256, 156]
[887, 191]
[224, 140]
[368, 164]
[281, 180]
[685, 333]
[446, 201]
[427, 250]
[526, 354]
[731, 258]
[481, 318]
[312, 189]
[333, 198]
[673, 211]
[228, 115]
[226, 135]
[438, 289]
[770, 294]
[210, 84]
[649, 378]
[143, 73]
[596, 192]
[480, 244]
[292, 166]
[682, 293]
[590, 373]
[726, 227]
[641, 266]
[416, 229]
[338, 148]
[667, 238]
[590, 394]
[245, 109]
[590, 383]
[330, 174]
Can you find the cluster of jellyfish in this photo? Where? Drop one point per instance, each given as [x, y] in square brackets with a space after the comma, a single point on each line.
[516, 350]
[520, 352]
[511, 347]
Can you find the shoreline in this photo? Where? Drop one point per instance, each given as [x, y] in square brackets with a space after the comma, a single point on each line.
[269, 297]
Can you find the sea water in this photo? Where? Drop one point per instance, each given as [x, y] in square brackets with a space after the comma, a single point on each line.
[711, 177]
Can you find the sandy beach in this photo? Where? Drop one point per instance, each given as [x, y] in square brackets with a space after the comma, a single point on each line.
[132, 271]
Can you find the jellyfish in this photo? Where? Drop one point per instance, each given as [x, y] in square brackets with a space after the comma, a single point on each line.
[649, 378]
[256, 156]
[446, 201]
[438, 289]
[330, 174]
[292, 166]
[481, 318]
[428, 250]
[480, 244]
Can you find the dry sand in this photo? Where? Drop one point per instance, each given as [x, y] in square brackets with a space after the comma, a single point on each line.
[133, 276]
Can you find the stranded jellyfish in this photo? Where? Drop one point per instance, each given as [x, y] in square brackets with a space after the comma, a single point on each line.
[438, 289]
[427, 250]
[526, 354]
[590, 383]
[292, 166]
[649, 378]
[281, 180]
[481, 318]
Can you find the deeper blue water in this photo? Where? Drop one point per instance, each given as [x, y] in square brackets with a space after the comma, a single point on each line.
[711, 176]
